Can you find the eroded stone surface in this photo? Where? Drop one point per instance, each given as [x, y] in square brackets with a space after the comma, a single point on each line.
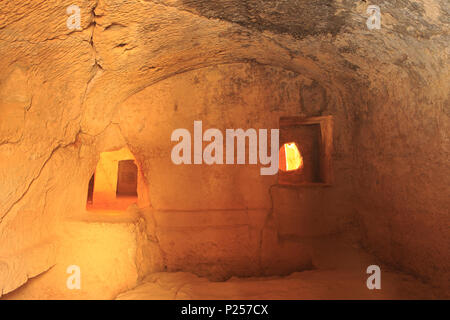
[138, 65]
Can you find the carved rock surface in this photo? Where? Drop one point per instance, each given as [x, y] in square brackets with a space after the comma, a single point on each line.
[139, 69]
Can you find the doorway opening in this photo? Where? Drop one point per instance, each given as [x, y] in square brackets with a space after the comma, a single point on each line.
[127, 175]
[113, 185]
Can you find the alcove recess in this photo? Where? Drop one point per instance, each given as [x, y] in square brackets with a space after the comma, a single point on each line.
[314, 138]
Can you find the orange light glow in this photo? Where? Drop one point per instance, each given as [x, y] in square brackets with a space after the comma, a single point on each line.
[290, 157]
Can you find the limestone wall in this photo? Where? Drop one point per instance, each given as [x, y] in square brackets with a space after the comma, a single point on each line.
[138, 69]
[221, 220]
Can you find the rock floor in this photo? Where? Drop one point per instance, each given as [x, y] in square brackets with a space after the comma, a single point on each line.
[339, 271]
[316, 284]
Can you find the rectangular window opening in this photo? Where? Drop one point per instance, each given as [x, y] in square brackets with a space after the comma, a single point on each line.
[306, 150]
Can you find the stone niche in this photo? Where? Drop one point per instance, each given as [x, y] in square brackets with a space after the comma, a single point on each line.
[314, 138]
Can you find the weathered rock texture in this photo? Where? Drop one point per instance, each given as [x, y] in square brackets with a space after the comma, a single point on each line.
[140, 69]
